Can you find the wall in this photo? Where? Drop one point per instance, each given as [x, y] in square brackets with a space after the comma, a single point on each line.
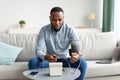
[36, 12]
[117, 19]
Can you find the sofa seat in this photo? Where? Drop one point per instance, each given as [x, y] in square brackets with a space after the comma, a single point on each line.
[100, 70]
[14, 71]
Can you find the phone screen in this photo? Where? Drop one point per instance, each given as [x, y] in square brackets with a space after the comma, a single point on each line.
[33, 73]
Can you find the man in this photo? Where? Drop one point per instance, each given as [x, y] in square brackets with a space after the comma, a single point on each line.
[57, 37]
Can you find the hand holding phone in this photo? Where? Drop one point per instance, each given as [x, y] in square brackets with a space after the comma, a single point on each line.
[34, 73]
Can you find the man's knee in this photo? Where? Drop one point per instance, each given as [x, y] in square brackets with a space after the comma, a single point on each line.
[34, 60]
[34, 63]
[83, 63]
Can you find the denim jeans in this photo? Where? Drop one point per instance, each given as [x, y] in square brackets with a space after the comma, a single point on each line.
[36, 63]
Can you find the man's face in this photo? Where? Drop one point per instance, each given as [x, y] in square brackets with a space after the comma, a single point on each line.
[57, 18]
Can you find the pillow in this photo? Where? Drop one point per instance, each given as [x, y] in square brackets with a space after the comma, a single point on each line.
[116, 55]
[8, 53]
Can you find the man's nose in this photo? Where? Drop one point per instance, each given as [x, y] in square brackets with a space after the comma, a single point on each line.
[57, 22]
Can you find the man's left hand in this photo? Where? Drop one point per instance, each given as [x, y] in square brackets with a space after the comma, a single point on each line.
[74, 57]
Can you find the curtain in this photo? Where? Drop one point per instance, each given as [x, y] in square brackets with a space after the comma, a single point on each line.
[108, 15]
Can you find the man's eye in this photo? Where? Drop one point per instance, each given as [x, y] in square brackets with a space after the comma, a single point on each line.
[60, 19]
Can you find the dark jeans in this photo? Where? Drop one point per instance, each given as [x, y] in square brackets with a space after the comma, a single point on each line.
[36, 63]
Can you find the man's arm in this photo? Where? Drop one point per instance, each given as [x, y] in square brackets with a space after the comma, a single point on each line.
[40, 47]
[75, 52]
[75, 47]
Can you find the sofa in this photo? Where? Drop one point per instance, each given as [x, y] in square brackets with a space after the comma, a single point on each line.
[95, 47]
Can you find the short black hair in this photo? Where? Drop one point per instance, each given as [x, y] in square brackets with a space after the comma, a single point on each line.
[56, 9]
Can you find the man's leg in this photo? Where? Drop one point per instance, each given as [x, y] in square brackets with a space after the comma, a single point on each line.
[82, 68]
[36, 63]
[64, 61]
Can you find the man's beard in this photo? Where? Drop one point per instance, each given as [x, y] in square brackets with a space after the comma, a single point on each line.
[56, 29]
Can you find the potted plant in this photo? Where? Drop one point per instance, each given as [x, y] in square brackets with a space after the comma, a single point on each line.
[22, 23]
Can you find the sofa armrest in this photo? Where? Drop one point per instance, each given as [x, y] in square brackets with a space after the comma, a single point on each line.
[118, 43]
[116, 55]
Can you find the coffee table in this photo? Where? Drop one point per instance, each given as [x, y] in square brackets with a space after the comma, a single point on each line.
[67, 74]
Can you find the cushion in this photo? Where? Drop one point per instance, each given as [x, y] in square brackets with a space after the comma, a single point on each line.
[97, 46]
[8, 53]
[100, 70]
[26, 41]
[116, 55]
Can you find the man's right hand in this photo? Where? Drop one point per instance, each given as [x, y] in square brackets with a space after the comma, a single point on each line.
[51, 58]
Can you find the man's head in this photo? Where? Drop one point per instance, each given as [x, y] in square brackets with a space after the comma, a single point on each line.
[57, 17]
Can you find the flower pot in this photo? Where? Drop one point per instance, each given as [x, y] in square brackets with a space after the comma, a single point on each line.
[22, 25]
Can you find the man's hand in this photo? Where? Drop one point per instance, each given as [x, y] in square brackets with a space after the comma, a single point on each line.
[51, 58]
[74, 57]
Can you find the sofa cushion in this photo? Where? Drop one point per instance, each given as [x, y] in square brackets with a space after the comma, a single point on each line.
[8, 53]
[26, 41]
[99, 70]
[95, 45]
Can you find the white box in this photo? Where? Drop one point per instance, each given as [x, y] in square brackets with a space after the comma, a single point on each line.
[55, 68]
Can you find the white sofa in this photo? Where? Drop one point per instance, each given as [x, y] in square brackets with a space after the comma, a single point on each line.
[94, 46]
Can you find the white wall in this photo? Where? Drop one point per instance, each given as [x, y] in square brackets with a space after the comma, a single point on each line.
[36, 12]
[117, 19]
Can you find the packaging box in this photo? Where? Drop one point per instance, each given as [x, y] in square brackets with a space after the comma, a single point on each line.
[55, 68]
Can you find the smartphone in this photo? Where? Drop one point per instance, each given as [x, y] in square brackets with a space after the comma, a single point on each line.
[33, 73]
[70, 51]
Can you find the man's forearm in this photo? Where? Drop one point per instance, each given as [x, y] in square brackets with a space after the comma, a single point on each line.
[40, 54]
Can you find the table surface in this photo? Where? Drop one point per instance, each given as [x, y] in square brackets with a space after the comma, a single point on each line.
[67, 74]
